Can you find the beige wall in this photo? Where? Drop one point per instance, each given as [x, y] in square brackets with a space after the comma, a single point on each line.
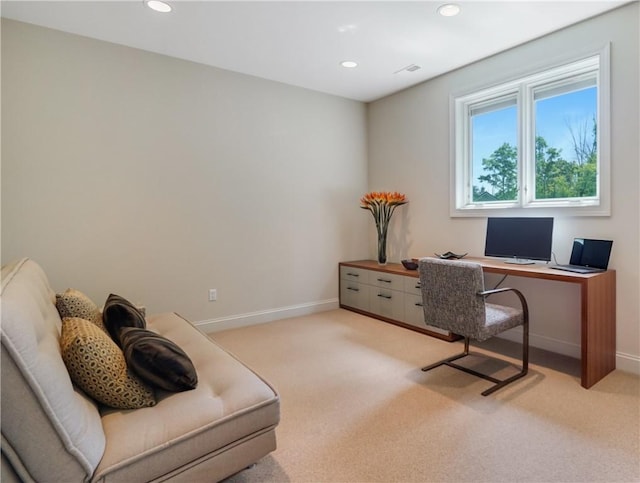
[158, 179]
[409, 150]
[129, 172]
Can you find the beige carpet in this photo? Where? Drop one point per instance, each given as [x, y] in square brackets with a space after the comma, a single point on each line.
[355, 407]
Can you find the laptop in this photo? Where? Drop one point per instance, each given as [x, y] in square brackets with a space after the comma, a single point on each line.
[588, 256]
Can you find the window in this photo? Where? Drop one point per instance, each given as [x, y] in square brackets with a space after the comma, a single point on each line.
[540, 142]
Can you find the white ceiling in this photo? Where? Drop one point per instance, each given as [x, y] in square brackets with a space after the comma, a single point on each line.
[302, 42]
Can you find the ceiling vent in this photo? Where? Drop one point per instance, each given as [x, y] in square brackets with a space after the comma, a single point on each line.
[408, 68]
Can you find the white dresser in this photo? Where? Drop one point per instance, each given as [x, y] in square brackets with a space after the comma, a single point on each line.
[387, 292]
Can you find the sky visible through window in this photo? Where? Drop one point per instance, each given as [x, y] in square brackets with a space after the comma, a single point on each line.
[556, 115]
[554, 118]
[490, 131]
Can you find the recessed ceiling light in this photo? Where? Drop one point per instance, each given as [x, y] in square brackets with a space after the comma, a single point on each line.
[158, 6]
[449, 10]
[349, 64]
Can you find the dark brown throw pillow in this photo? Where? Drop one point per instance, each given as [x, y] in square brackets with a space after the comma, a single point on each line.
[118, 313]
[157, 360]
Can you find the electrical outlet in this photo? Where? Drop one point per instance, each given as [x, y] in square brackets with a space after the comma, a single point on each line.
[213, 295]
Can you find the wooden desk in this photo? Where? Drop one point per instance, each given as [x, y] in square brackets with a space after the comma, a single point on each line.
[598, 307]
[598, 312]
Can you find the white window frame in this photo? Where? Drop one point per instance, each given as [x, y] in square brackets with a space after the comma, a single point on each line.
[595, 65]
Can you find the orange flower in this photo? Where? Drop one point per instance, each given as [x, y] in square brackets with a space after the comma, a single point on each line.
[382, 204]
[377, 198]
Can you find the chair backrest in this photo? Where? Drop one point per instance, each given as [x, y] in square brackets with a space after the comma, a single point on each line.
[51, 431]
[449, 295]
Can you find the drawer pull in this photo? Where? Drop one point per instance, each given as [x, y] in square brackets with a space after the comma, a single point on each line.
[353, 289]
[418, 304]
[383, 280]
[353, 274]
[384, 296]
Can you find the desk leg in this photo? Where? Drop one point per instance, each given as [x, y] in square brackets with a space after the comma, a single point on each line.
[598, 327]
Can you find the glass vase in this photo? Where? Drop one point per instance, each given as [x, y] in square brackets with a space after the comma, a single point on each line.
[382, 245]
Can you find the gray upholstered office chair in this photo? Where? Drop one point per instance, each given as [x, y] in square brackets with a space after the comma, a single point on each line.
[453, 298]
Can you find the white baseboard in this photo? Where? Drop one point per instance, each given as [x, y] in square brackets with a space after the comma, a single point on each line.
[624, 362]
[628, 363]
[263, 316]
[542, 342]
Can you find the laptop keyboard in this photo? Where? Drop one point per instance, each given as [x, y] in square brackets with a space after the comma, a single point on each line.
[578, 268]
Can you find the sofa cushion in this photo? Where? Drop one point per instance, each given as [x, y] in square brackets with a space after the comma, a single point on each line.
[97, 365]
[157, 360]
[117, 313]
[230, 406]
[53, 431]
[74, 303]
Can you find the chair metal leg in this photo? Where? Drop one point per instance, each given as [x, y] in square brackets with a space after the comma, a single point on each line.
[448, 360]
[498, 383]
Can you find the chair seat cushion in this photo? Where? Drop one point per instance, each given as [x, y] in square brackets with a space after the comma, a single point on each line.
[499, 318]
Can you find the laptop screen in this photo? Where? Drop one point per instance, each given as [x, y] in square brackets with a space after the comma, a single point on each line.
[591, 253]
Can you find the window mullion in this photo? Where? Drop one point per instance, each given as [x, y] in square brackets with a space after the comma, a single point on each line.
[527, 132]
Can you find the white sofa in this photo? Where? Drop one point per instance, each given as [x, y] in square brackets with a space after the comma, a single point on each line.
[52, 431]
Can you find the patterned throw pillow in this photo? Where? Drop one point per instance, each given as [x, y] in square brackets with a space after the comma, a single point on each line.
[73, 303]
[97, 366]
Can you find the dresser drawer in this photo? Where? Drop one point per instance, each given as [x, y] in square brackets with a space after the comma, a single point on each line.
[386, 280]
[360, 275]
[413, 313]
[387, 303]
[355, 295]
[412, 285]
